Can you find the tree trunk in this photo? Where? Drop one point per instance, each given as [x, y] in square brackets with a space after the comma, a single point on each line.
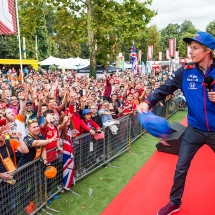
[91, 39]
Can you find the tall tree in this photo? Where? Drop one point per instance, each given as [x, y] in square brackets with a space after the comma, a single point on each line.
[105, 26]
[66, 47]
[187, 27]
[211, 28]
[9, 47]
[44, 43]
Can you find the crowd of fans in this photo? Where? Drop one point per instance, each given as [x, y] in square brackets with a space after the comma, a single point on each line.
[39, 109]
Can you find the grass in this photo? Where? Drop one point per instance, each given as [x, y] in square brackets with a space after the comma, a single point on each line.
[107, 182]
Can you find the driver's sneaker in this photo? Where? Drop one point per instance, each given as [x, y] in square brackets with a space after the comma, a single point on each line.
[169, 209]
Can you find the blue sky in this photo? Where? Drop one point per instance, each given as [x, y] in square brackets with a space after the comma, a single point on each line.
[199, 12]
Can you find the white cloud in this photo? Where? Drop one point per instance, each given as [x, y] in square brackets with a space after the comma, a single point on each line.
[199, 12]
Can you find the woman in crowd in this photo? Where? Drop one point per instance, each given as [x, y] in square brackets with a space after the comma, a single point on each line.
[67, 132]
[88, 126]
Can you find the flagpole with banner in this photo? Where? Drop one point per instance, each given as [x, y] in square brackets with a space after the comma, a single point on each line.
[172, 49]
[18, 30]
[120, 61]
[133, 57]
[150, 53]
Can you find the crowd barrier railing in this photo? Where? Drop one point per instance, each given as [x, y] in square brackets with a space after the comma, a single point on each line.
[32, 187]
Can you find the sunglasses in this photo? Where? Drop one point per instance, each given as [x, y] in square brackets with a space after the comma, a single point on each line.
[30, 121]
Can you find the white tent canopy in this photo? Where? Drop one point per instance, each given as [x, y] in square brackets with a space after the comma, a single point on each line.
[68, 63]
[70, 66]
[79, 61]
[50, 61]
[67, 66]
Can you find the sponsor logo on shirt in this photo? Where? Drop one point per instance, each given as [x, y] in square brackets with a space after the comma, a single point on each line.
[192, 86]
[192, 78]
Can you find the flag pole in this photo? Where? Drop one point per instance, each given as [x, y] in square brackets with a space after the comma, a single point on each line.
[20, 48]
[36, 47]
[24, 47]
[132, 64]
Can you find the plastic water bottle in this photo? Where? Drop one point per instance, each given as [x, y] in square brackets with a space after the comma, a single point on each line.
[90, 191]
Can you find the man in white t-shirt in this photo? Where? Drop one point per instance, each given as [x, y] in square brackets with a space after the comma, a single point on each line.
[19, 120]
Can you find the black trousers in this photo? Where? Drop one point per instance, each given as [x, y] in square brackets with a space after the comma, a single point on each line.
[192, 141]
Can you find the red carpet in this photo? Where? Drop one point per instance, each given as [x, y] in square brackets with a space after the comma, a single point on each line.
[149, 189]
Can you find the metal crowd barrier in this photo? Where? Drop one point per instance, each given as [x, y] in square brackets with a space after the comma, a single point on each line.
[32, 187]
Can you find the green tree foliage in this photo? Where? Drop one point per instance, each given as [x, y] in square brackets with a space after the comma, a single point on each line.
[52, 68]
[186, 29]
[9, 47]
[33, 15]
[44, 43]
[182, 46]
[50, 19]
[153, 38]
[105, 26]
[211, 28]
[171, 31]
[66, 47]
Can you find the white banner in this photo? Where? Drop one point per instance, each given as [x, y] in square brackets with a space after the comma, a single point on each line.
[177, 55]
[167, 54]
[148, 68]
[160, 56]
[150, 52]
[172, 45]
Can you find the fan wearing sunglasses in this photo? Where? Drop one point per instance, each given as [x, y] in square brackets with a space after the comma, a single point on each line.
[36, 143]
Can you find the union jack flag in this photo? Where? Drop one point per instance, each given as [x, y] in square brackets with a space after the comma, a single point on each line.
[133, 57]
[68, 165]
